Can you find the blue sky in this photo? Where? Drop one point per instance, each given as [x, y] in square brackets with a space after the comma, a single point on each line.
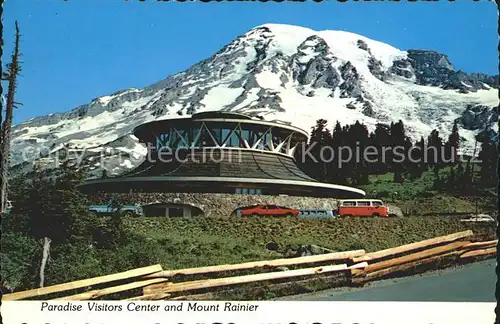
[75, 51]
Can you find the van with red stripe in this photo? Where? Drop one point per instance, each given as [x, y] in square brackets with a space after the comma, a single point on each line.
[363, 207]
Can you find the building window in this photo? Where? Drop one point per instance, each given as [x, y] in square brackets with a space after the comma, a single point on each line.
[246, 135]
[234, 141]
[206, 140]
[194, 136]
[258, 136]
[162, 141]
[176, 212]
[225, 134]
[247, 191]
[216, 133]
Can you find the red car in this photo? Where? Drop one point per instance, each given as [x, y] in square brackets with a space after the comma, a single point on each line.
[267, 210]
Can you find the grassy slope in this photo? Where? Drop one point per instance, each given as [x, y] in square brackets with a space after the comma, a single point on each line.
[197, 242]
[183, 243]
[417, 197]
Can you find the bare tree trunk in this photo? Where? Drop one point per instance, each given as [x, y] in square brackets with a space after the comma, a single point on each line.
[45, 256]
[1, 123]
[1, 73]
[2, 97]
[13, 70]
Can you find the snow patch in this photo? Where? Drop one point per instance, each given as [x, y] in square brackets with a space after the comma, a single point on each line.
[422, 108]
[221, 96]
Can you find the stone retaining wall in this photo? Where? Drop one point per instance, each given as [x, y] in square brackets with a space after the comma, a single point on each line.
[218, 204]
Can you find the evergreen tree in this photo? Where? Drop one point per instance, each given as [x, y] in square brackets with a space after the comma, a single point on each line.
[320, 133]
[423, 164]
[416, 165]
[488, 157]
[358, 140]
[433, 155]
[337, 129]
[460, 178]
[115, 233]
[336, 174]
[452, 146]
[434, 148]
[73, 204]
[320, 137]
[399, 143]
[381, 139]
[53, 212]
[452, 179]
[54, 207]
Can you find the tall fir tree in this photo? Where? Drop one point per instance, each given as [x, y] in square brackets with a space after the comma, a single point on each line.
[358, 140]
[400, 148]
[381, 139]
[452, 146]
[433, 154]
[335, 173]
[488, 157]
[320, 137]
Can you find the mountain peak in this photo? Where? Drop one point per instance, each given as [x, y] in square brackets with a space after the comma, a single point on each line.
[431, 57]
[287, 73]
[276, 27]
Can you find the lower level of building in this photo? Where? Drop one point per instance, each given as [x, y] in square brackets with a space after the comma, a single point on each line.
[209, 204]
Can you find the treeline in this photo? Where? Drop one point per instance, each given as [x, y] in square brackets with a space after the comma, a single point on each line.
[349, 154]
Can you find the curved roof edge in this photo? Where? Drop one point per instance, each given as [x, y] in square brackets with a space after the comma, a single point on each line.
[223, 119]
[311, 184]
[219, 114]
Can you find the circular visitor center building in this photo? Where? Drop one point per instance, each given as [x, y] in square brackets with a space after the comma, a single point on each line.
[213, 163]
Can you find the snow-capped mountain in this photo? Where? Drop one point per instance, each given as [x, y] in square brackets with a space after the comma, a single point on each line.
[279, 72]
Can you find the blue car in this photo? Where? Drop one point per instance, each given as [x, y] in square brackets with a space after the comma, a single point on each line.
[126, 210]
[317, 213]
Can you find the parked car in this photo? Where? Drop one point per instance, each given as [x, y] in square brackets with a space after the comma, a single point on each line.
[267, 210]
[126, 210]
[481, 218]
[363, 207]
[316, 213]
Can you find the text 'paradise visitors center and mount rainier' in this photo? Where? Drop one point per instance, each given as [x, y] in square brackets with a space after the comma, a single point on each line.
[213, 163]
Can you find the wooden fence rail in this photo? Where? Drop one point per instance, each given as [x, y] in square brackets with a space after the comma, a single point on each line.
[82, 283]
[329, 257]
[414, 256]
[413, 246]
[229, 281]
[356, 266]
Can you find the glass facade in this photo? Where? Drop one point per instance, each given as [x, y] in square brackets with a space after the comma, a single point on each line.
[199, 135]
